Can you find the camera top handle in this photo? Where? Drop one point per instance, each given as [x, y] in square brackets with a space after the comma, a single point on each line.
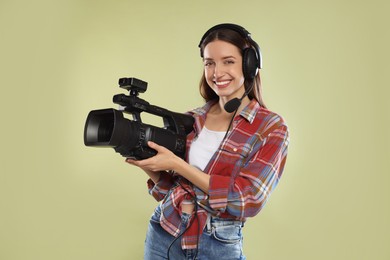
[176, 122]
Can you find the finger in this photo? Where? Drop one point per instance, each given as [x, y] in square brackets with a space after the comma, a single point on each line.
[129, 160]
[156, 147]
[135, 162]
[142, 163]
[152, 144]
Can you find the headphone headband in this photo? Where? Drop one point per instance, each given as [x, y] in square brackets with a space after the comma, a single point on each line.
[234, 27]
[239, 29]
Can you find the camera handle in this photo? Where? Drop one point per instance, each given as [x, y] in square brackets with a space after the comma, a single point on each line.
[135, 106]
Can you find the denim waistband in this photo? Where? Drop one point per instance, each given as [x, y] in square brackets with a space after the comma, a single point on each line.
[224, 222]
[212, 221]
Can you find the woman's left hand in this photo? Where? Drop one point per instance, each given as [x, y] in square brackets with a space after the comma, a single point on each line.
[164, 159]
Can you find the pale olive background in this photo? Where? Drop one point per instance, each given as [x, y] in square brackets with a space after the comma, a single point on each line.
[325, 66]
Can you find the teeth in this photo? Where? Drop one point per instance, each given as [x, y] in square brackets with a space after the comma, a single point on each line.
[222, 82]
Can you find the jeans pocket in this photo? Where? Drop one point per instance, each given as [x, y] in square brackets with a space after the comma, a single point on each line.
[227, 234]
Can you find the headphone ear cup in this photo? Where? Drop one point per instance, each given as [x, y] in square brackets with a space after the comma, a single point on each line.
[249, 63]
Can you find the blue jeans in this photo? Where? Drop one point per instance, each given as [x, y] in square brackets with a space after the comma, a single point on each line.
[221, 239]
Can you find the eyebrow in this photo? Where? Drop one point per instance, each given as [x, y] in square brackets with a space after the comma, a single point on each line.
[224, 58]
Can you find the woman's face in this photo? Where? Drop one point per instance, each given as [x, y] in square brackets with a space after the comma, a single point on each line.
[223, 69]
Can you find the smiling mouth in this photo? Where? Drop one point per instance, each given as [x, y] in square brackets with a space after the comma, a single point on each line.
[222, 84]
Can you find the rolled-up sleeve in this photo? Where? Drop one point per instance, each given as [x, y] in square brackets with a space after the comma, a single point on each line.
[160, 189]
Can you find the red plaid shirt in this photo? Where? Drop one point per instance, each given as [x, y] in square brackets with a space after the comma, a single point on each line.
[243, 171]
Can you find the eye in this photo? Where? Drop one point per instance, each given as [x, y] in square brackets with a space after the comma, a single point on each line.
[229, 62]
[208, 63]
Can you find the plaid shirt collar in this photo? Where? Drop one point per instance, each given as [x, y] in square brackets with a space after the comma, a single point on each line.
[248, 113]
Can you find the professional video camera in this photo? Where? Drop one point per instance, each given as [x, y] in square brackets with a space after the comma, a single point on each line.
[109, 128]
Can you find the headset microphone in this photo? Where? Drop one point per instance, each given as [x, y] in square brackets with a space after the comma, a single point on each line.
[233, 104]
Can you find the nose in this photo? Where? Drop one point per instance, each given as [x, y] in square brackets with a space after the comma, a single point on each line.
[218, 71]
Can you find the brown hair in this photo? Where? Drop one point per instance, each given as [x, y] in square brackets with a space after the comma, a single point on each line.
[236, 39]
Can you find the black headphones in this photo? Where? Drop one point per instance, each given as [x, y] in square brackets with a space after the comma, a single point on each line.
[251, 56]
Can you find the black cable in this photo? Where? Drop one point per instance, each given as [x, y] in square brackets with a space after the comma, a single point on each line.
[191, 222]
[230, 124]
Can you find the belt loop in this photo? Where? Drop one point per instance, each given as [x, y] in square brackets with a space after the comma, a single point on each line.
[208, 222]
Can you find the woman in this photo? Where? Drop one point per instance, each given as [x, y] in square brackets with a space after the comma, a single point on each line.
[235, 158]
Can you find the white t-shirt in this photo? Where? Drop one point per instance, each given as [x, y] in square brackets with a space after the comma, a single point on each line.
[204, 147]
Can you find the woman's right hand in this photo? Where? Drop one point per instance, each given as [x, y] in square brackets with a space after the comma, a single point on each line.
[154, 176]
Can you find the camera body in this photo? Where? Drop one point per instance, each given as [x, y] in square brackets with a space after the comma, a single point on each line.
[109, 128]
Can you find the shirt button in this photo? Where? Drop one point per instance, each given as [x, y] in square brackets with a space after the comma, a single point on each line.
[235, 149]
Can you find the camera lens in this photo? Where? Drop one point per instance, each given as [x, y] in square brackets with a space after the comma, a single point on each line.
[99, 128]
[105, 130]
